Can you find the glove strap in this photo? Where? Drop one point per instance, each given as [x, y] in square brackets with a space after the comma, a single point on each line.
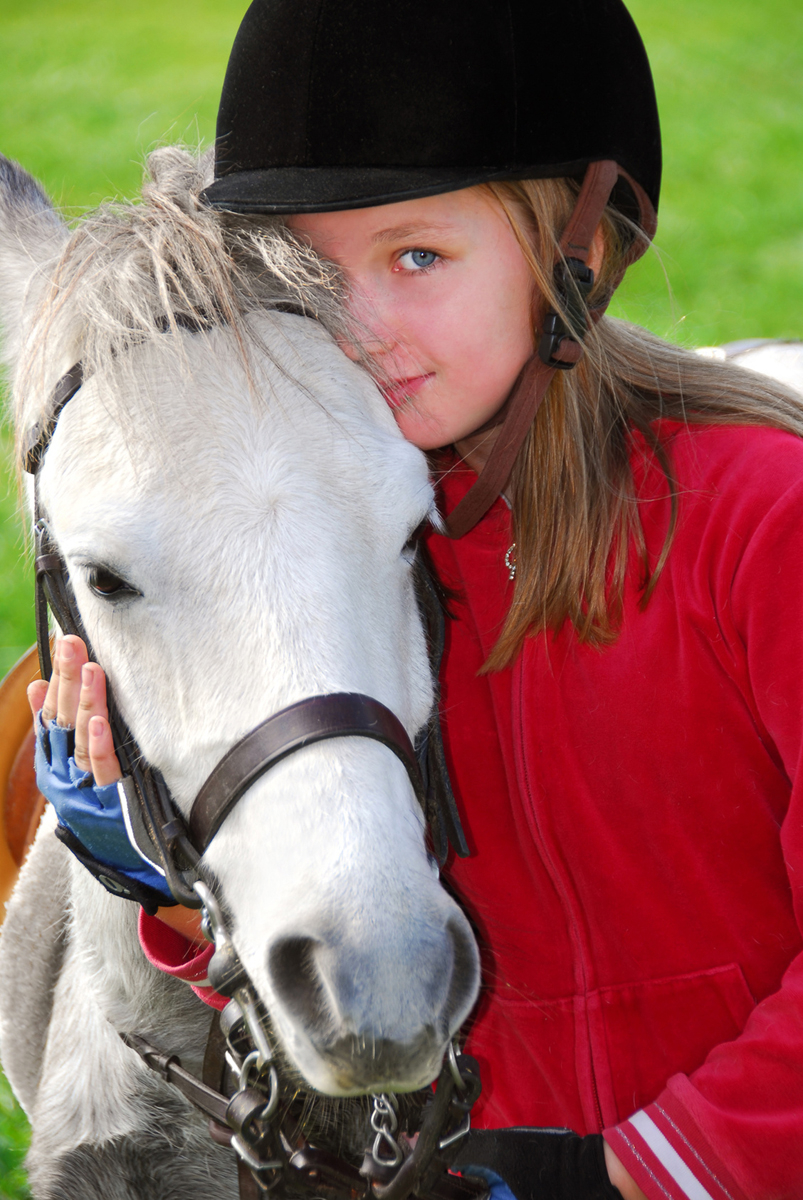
[113, 880]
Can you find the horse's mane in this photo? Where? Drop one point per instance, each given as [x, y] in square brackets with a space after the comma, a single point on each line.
[130, 272]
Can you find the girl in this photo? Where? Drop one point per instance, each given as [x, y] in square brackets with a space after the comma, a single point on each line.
[622, 683]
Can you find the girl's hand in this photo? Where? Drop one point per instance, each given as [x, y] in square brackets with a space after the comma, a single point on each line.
[620, 1178]
[75, 698]
[77, 771]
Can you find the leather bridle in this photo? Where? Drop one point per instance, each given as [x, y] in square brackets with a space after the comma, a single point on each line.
[155, 825]
[268, 1150]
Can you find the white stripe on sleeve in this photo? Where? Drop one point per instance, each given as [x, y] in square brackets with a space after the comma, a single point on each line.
[669, 1158]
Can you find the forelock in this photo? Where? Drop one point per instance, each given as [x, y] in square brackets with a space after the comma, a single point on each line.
[132, 272]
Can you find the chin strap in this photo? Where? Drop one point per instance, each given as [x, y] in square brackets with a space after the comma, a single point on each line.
[560, 347]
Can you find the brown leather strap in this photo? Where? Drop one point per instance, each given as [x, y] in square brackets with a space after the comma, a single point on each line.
[338, 714]
[38, 439]
[524, 403]
[533, 383]
[600, 180]
[214, 1068]
[169, 1067]
[249, 1188]
[214, 1071]
[202, 1095]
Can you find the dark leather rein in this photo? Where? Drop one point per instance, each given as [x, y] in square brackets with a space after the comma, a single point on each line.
[154, 823]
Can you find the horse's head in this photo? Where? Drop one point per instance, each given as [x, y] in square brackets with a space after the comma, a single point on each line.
[234, 507]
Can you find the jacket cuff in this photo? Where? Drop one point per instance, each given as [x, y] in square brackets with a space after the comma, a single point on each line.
[169, 951]
[668, 1157]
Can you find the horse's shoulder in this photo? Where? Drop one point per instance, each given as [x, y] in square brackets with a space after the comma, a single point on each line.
[32, 945]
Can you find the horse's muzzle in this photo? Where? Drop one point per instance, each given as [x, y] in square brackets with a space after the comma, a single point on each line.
[373, 1026]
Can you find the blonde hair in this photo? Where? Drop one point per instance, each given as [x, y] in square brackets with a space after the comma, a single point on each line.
[575, 509]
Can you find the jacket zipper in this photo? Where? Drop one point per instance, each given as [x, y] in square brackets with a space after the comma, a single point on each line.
[562, 884]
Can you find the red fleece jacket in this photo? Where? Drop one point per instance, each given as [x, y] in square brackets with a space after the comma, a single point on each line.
[636, 824]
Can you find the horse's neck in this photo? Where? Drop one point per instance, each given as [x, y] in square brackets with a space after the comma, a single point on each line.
[132, 995]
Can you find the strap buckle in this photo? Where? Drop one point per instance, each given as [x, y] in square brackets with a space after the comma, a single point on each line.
[574, 280]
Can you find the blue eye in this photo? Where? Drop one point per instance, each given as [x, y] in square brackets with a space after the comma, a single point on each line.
[418, 260]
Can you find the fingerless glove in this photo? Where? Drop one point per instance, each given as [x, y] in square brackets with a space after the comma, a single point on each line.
[91, 820]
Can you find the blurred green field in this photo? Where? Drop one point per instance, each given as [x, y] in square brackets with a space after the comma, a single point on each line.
[86, 89]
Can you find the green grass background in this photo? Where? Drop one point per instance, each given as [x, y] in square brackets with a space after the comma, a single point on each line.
[86, 89]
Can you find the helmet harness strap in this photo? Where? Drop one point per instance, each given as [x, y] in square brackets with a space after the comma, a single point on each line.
[560, 346]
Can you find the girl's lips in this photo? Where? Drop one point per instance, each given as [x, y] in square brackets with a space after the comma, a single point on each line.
[396, 393]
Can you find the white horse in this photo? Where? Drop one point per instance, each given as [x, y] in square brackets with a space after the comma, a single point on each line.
[249, 485]
[780, 359]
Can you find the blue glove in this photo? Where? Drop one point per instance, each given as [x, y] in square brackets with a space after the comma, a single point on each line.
[499, 1189]
[93, 815]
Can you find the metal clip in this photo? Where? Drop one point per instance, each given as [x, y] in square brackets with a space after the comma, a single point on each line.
[233, 972]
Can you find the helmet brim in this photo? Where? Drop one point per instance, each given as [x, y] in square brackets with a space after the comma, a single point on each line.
[276, 190]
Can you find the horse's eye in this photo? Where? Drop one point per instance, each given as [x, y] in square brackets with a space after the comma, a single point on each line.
[104, 582]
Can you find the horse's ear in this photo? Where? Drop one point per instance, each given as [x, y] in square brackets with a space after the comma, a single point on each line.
[31, 235]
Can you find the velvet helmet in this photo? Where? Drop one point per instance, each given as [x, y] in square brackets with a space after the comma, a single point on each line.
[336, 104]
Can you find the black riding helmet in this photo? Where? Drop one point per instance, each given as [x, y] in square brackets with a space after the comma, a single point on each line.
[336, 104]
[332, 104]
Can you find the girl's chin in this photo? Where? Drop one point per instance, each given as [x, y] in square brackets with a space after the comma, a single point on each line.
[427, 432]
[418, 430]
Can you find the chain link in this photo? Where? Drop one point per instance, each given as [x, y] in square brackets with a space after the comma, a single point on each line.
[385, 1122]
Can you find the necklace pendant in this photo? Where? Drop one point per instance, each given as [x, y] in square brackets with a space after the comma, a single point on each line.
[510, 561]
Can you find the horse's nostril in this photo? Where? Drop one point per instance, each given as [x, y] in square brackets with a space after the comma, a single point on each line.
[296, 980]
[465, 970]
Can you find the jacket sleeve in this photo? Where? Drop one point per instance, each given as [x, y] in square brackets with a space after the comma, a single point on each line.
[733, 1129]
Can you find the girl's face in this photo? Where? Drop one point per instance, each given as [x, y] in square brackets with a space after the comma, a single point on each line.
[444, 296]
